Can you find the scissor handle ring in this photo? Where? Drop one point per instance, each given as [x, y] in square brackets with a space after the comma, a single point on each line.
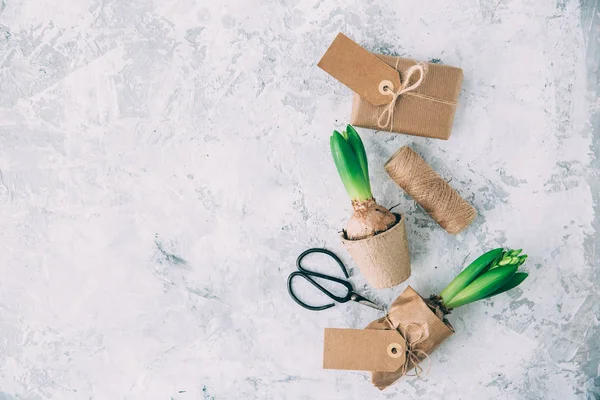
[324, 251]
[300, 302]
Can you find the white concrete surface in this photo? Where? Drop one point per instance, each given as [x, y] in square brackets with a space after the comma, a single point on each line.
[164, 162]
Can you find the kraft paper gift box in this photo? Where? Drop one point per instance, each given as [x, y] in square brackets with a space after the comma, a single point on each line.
[391, 346]
[395, 94]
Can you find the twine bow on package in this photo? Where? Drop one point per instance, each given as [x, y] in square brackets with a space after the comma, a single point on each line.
[395, 94]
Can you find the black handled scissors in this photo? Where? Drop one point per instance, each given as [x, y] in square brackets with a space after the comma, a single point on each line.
[308, 275]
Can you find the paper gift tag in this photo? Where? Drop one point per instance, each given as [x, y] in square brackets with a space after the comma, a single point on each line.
[363, 350]
[360, 70]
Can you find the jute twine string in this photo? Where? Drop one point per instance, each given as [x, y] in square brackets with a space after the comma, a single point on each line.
[413, 355]
[428, 189]
[385, 87]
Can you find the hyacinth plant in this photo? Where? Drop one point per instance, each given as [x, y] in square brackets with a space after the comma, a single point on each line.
[492, 273]
[350, 159]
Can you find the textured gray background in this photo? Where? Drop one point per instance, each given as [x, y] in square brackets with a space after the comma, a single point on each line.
[163, 163]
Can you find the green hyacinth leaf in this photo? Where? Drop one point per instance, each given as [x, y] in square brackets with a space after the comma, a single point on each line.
[349, 168]
[469, 274]
[354, 140]
[483, 286]
[512, 283]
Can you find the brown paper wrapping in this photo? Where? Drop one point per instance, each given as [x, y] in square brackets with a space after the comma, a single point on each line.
[383, 259]
[416, 115]
[411, 309]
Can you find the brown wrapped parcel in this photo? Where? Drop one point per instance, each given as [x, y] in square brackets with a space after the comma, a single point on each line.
[420, 322]
[425, 111]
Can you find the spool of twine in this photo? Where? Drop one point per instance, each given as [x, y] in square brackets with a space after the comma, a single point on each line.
[430, 191]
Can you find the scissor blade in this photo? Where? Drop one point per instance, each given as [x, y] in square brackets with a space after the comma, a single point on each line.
[361, 300]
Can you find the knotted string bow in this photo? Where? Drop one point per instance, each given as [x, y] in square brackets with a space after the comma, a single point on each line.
[388, 113]
[413, 355]
[387, 116]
